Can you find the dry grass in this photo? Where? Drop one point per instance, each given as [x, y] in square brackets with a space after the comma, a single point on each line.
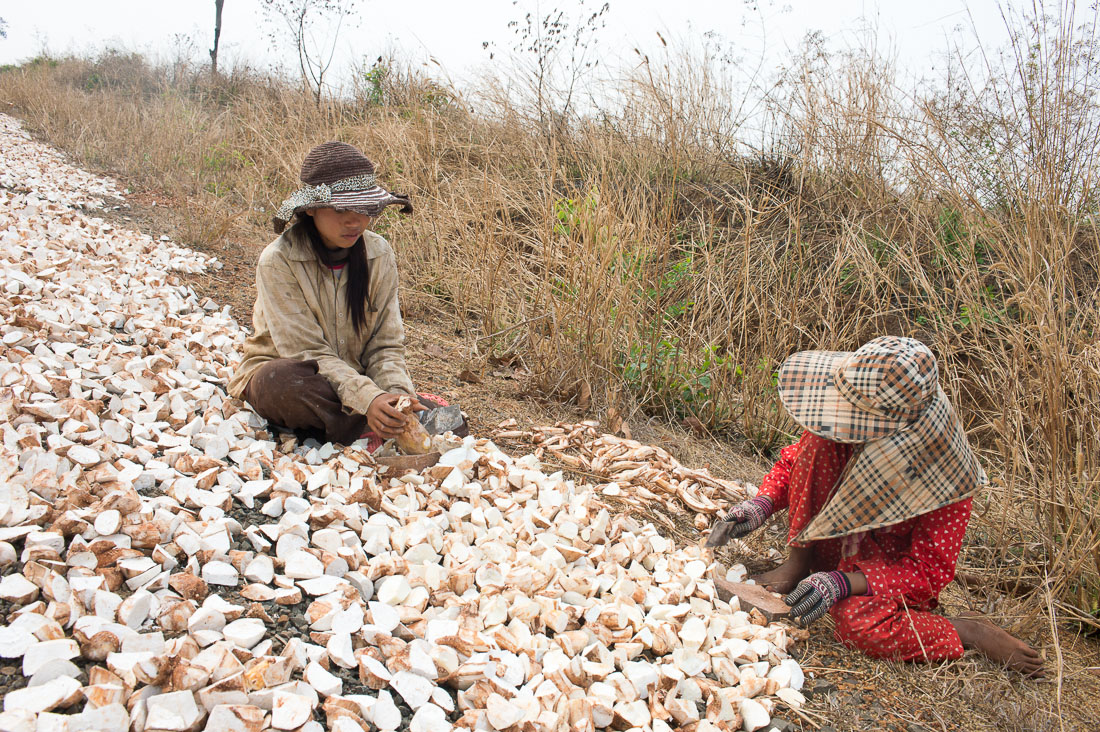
[651, 261]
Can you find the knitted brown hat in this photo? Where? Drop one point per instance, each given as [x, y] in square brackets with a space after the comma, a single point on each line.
[337, 175]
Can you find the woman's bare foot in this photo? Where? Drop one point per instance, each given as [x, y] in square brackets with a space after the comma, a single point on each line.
[997, 645]
[783, 578]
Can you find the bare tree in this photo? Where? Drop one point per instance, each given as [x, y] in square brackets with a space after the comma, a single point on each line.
[217, 35]
[301, 19]
[553, 53]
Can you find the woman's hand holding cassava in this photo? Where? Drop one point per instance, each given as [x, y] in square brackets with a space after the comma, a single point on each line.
[385, 419]
[813, 596]
[742, 519]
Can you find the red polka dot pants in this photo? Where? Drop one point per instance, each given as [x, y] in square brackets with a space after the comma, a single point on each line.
[883, 627]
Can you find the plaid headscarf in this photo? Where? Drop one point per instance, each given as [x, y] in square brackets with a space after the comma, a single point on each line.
[915, 457]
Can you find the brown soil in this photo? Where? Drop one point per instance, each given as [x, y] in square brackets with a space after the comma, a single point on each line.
[848, 691]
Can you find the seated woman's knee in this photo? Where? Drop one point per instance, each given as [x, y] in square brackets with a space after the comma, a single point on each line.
[863, 617]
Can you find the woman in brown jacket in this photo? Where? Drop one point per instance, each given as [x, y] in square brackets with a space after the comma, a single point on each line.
[327, 356]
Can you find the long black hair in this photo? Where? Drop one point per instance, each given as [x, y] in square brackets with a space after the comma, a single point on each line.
[358, 292]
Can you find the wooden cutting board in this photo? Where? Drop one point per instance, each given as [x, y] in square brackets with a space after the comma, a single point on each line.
[401, 464]
[769, 604]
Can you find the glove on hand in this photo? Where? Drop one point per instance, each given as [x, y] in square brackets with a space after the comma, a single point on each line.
[813, 596]
[742, 519]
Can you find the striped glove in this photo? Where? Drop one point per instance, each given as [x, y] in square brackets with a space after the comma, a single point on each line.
[813, 596]
[742, 519]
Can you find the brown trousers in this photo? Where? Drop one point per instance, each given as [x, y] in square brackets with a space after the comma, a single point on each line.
[291, 395]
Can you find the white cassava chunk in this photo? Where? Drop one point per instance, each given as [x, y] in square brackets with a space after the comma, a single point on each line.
[384, 713]
[303, 565]
[175, 711]
[502, 713]
[289, 710]
[17, 589]
[325, 683]
[42, 698]
[429, 718]
[414, 689]
[245, 632]
[220, 573]
[753, 715]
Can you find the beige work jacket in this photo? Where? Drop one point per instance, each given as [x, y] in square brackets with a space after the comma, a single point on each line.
[301, 313]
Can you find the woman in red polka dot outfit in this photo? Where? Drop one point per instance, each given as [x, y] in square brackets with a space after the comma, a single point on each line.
[878, 492]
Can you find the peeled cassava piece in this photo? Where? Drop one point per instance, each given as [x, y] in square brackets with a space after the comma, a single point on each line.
[415, 440]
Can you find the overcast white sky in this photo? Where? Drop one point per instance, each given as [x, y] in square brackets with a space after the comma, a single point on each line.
[452, 32]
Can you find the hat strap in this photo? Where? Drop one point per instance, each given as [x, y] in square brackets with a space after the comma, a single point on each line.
[322, 193]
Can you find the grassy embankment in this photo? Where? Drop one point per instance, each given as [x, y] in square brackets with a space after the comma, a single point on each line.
[645, 261]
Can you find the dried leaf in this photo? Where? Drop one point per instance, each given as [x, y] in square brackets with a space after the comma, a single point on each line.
[584, 395]
[469, 376]
[614, 420]
[617, 424]
[511, 359]
[696, 426]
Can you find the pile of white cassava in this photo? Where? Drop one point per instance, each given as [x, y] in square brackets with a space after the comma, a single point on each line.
[168, 567]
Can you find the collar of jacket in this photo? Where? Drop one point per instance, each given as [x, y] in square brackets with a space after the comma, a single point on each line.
[301, 251]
